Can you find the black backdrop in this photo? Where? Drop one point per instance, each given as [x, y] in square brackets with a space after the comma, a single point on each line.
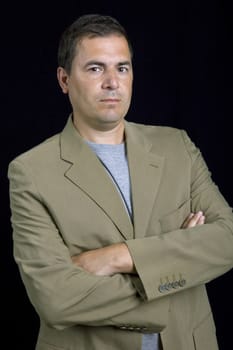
[183, 78]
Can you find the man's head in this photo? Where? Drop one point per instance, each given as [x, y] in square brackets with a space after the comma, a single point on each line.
[95, 70]
[91, 25]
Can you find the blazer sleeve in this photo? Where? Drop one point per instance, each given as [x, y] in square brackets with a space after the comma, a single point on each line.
[178, 259]
[62, 294]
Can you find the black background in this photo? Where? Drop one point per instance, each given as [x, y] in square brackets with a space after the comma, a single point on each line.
[182, 77]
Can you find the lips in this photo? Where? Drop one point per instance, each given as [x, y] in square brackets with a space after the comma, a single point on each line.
[110, 100]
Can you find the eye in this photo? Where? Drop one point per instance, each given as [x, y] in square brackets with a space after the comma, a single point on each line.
[96, 69]
[123, 69]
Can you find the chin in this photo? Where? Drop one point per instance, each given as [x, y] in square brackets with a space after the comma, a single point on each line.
[111, 118]
[109, 123]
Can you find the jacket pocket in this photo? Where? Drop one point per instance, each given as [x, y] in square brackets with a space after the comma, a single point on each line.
[174, 220]
[204, 335]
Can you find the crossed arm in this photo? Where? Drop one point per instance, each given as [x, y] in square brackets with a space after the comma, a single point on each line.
[116, 258]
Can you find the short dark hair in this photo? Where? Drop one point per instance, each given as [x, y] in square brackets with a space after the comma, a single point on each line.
[90, 25]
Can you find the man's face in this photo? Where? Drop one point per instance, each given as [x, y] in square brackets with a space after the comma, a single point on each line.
[100, 82]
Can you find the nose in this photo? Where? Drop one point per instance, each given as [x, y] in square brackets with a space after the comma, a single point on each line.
[110, 81]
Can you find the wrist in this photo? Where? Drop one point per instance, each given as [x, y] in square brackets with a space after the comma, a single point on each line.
[122, 261]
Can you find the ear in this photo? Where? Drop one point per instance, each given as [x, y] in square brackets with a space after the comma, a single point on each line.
[63, 79]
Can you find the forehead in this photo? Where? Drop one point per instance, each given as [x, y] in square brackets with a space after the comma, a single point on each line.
[114, 46]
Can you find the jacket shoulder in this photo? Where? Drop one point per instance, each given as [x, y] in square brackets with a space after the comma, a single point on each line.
[149, 129]
[158, 133]
[44, 150]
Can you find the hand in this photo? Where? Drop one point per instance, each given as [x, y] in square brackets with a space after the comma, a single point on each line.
[106, 261]
[193, 220]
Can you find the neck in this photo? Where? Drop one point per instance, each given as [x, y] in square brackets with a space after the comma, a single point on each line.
[114, 135]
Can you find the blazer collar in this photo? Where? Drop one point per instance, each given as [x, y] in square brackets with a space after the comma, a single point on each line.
[86, 171]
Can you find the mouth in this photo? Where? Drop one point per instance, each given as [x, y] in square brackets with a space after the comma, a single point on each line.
[110, 99]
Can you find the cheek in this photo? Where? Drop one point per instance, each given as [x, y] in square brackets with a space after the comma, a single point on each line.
[89, 90]
[128, 90]
[78, 92]
[127, 84]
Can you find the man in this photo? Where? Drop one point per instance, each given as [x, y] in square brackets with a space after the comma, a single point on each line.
[117, 226]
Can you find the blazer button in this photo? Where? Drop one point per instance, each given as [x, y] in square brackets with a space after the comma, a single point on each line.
[175, 284]
[162, 288]
[182, 282]
[168, 286]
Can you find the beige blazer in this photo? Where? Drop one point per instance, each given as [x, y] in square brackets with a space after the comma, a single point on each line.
[63, 202]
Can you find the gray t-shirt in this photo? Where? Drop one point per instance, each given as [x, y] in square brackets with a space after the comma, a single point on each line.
[114, 159]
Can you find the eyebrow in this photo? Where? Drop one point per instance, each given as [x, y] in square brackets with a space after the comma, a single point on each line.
[100, 63]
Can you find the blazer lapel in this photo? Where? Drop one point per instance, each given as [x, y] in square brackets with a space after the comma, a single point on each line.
[87, 172]
[145, 173]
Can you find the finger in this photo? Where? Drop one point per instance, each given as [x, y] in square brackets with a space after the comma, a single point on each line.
[201, 220]
[193, 221]
[187, 220]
